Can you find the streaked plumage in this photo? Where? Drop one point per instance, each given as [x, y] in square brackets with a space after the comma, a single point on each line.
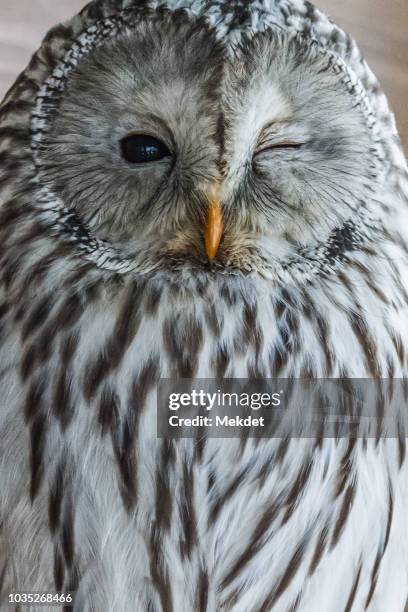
[106, 289]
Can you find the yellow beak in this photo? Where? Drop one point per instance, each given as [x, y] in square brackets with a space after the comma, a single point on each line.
[214, 228]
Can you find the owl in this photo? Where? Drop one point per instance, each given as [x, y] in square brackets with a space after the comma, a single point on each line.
[198, 189]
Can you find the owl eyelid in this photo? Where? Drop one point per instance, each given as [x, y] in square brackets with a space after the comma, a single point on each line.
[284, 144]
[149, 134]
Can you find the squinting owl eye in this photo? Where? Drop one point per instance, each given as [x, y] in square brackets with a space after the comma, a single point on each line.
[142, 149]
[287, 144]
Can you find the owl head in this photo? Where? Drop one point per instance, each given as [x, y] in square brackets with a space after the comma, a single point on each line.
[208, 136]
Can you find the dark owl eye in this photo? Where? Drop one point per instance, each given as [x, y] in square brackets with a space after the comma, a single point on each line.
[143, 149]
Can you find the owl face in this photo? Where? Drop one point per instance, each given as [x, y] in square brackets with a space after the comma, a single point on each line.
[163, 125]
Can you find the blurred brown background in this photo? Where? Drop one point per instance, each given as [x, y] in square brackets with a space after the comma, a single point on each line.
[380, 27]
